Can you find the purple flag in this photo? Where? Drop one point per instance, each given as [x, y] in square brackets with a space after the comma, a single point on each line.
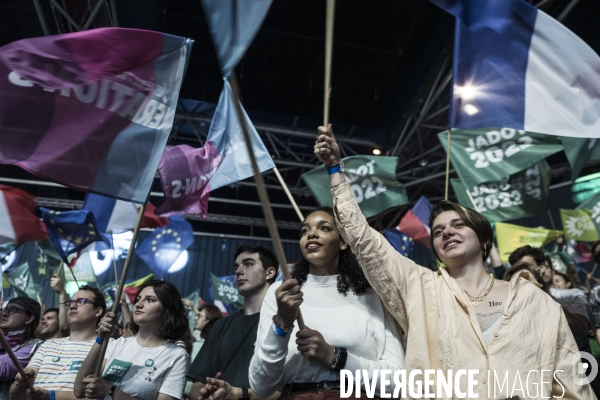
[188, 174]
[91, 110]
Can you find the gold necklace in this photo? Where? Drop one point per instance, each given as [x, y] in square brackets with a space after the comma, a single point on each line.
[475, 300]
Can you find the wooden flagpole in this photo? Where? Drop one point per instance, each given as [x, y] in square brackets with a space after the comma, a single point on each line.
[447, 166]
[289, 195]
[14, 359]
[330, 11]
[116, 303]
[262, 191]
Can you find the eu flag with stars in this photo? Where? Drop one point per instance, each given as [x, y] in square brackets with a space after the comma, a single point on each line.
[71, 231]
[162, 248]
[400, 241]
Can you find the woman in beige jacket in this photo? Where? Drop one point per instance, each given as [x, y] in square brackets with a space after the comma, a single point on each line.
[513, 336]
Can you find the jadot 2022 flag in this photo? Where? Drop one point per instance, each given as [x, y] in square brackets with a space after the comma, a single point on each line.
[516, 67]
[91, 110]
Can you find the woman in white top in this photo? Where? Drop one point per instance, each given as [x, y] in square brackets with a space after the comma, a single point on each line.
[347, 326]
[148, 365]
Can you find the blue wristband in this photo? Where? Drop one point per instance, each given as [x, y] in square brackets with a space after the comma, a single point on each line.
[334, 169]
[99, 340]
[52, 395]
[280, 332]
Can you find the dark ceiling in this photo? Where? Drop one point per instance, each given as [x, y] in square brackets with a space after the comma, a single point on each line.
[391, 66]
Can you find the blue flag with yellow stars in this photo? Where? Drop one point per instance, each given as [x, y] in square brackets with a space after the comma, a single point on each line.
[71, 231]
[162, 248]
[400, 241]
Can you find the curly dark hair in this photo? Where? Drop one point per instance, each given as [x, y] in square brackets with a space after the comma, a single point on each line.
[351, 273]
[174, 324]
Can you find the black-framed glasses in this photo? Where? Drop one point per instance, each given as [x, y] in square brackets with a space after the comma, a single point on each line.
[78, 303]
[11, 310]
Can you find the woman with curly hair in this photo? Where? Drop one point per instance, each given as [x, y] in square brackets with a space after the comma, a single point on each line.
[347, 326]
[149, 365]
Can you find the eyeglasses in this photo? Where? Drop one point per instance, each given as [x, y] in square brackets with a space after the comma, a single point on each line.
[78, 303]
[12, 310]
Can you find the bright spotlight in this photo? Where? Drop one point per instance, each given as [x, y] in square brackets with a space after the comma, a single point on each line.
[466, 92]
[376, 152]
[471, 109]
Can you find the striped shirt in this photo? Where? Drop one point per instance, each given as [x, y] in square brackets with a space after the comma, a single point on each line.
[58, 361]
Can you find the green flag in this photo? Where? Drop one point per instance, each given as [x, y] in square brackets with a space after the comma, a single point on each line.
[225, 292]
[494, 154]
[578, 225]
[22, 282]
[592, 204]
[520, 197]
[48, 259]
[579, 152]
[83, 270]
[372, 180]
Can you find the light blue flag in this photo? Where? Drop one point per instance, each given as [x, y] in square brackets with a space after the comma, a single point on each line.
[188, 175]
[233, 25]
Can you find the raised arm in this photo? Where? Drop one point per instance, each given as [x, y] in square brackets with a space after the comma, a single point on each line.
[63, 315]
[395, 278]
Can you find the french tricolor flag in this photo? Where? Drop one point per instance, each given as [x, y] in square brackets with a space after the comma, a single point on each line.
[18, 221]
[415, 223]
[516, 67]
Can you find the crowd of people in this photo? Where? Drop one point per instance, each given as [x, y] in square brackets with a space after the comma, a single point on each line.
[353, 303]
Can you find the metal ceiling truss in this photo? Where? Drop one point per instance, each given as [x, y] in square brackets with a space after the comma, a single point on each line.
[75, 16]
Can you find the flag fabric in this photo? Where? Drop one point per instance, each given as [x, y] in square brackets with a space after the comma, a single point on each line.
[592, 204]
[510, 237]
[131, 289]
[579, 152]
[83, 270]
[104, 102]
[532, 74]
[48, 258]
[21, 281]
[112, 215]
[18, 222]
[492, 155]
[400, 241]
[371, 178]
[225, 291]
[578, 225]
[233, 25]
[162, 248]
[189, 174]
[520, 197]
[71, 231]
[151, 220]
[194, 297]
[415, 223]
[5, 250]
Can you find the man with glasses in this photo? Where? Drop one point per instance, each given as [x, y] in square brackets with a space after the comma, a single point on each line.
[19, 321]
[55, 365]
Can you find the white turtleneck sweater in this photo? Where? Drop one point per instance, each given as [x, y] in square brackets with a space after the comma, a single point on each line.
[360, 324]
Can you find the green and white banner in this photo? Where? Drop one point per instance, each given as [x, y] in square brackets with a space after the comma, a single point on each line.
[20, 279]
[592, 204]
[578, 225]
[372, 180]
[520, 197]
[225, 291]
[494, 154]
